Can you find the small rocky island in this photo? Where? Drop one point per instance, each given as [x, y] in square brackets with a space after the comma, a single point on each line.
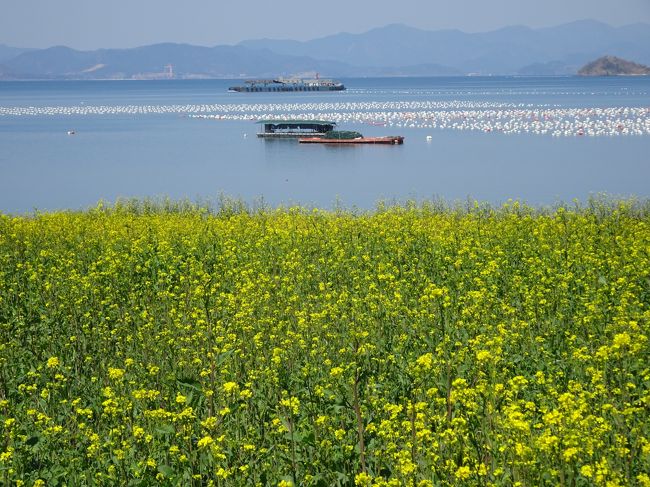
[613, 66]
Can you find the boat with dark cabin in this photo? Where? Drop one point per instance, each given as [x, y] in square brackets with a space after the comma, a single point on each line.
[288, 85]
[283, 129]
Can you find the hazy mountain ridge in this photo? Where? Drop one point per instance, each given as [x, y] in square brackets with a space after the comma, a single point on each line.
[393, 50]
[150, 61]
[8, 52]
[503, 51]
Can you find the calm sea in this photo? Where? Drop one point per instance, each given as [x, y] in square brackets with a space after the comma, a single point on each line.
[465, 138]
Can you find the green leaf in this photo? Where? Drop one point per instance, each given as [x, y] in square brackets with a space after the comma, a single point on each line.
[189, 382]
[166, 470]
[33, 440]
[166, 429]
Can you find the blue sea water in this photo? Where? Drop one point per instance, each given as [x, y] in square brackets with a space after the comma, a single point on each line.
[165, 152]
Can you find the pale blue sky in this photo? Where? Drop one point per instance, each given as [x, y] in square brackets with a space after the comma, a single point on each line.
[90, 24]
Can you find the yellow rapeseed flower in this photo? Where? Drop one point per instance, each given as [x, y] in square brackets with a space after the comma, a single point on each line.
[230, 387]
[463, 472]
[205, 441]
[115, 373]
[53, 362]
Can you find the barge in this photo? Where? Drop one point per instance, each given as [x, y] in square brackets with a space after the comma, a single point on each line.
[288, 85]
[345, 137]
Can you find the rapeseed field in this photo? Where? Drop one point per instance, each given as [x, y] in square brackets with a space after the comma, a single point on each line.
[414, 345]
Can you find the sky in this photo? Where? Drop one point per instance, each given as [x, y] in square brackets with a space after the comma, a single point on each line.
[92, 24]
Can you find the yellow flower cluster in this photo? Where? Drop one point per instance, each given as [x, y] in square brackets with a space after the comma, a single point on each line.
[413, 345]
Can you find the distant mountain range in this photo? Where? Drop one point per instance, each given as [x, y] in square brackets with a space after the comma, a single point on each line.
[7, 53]
[394, 50]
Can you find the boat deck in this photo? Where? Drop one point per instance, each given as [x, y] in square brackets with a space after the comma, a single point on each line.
[285, 129]
[389, 140]
[288, 135]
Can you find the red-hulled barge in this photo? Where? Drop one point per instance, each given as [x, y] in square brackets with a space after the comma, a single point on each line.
[388, 140]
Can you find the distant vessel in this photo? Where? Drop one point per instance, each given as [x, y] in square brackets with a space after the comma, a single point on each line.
[351, 137]
[288, 84]
[282, 129]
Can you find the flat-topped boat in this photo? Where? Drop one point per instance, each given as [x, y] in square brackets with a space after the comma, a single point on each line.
[288, 85]
[350, 137]
[283, 129]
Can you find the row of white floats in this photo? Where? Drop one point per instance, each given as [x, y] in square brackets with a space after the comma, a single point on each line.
[505, 118]
[556, 122]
